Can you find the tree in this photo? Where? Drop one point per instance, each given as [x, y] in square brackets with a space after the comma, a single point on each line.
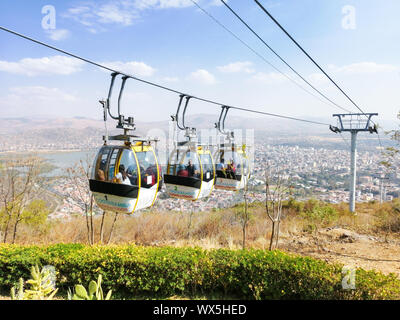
[35, 214]
[112, 227]
[21, 182]
[390, 154]
[276, 189]
[79, 176]
[243, 214]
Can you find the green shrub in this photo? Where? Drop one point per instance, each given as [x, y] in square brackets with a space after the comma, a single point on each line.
[388, 216]
[292, 205]
[159, 272]
[318, 214]
[311, 204]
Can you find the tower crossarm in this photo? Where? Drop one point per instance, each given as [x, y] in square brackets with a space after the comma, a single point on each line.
[356, 122]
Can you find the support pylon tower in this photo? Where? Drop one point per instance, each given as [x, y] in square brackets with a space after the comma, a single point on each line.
[354, 123]
[382, 188]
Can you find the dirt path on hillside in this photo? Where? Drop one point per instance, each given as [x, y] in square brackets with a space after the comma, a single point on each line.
[347, 247]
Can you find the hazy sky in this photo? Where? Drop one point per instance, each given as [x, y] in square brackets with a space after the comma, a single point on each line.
[172, 43]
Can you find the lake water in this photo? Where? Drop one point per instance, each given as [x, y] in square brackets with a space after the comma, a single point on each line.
[65, 160]
[61, 160]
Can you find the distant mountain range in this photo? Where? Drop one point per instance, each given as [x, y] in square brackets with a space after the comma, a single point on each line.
[16, 125]
[270, 129]
[200, 121]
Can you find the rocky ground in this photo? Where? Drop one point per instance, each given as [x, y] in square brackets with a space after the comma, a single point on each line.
[347, 247]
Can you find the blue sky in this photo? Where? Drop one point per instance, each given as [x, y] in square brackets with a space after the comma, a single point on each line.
[172, 43]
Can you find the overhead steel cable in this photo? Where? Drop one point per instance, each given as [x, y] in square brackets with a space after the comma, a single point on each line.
[155, 84]
[280, 116]
[283, 60]
[305, 52]
[84, 59]
[261, 56]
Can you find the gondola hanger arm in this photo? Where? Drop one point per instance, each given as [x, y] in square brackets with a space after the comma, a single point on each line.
[106, 104]
[124, 78]
[123, 123]
[221, 122]
[181, 126]
[126, 124]
[184, 111]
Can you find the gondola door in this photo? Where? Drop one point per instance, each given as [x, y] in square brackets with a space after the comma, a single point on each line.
[148, 175]
[208, 172]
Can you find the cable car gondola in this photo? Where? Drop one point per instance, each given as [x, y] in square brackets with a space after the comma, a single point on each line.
[125, 177]
[190, 172]
[232, 163]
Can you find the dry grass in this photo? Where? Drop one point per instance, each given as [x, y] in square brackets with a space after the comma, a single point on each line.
[220, 228]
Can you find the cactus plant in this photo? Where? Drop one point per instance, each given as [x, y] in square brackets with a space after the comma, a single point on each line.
[94, 292]
[19, 295]
[41, 287]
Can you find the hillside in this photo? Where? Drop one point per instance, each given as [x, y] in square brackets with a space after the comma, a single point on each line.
[370, 239]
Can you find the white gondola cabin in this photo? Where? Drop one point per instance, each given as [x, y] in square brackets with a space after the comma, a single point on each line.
[125, 178]
[190, 173]
[232, 168]
[232, 163]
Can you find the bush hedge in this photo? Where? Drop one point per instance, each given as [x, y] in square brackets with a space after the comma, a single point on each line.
[166, 271]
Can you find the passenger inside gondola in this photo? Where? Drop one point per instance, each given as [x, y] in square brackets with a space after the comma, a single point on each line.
[220, 166]
[182, 171]
[100, 173]
[150, 176]
[193, 169]
[122, 176]
[148, 169]
[231, 169]
[190, 168]
[132, 174]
